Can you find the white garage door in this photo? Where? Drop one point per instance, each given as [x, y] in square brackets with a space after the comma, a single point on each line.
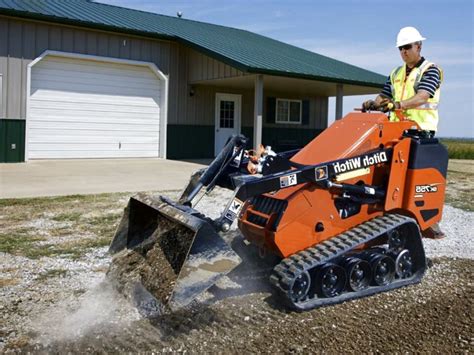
[88, 109]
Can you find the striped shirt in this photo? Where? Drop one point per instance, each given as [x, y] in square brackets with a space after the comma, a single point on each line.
[430, 81]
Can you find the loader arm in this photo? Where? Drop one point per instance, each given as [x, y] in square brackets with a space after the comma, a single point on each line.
[320, 174]
[227, 161]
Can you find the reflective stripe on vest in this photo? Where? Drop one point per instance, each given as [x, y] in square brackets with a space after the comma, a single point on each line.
[428, 106]
[404, 88]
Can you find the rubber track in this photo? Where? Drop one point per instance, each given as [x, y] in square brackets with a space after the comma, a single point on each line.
[289, 268]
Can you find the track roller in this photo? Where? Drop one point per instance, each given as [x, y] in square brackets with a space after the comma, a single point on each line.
[359, 273]
[383, 269]
[404, 264]
[299, 288]
[396, 240]
[331, 279]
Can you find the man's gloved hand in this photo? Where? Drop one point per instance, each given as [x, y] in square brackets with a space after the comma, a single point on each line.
[387, 105]
[369, 105]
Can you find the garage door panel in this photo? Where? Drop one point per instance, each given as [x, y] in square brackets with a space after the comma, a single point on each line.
[95, 67]
[91, 154]
[87, 109]
[72, 126]
[93, 139]
[94, 119]
[125, 104]
[59, 133]
[100, 82]
[98, 88]
[95, 146]
[56, 99]
[100, 104]
[54, 75]
[95, 116]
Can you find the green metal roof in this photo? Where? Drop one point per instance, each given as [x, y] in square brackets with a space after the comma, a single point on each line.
[242, 49]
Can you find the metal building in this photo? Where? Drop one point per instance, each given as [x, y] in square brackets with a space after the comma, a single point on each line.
[80, 79]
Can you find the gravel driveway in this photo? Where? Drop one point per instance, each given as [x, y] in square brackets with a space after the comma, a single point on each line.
[54, 296]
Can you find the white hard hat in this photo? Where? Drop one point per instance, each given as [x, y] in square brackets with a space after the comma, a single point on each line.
[408, 35]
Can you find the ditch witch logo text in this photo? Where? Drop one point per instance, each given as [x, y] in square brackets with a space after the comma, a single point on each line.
[360, 162]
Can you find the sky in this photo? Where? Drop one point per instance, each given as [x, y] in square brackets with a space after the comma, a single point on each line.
[361, 33]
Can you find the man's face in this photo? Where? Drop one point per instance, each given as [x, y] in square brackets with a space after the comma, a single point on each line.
[410, 53]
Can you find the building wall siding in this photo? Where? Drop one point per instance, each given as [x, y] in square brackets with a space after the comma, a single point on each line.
[201, 107]
[193, 136]
[197, 141]
[318, 113]
[202, 67]
[23, 41]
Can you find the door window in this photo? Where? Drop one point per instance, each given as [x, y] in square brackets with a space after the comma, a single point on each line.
[227, 114]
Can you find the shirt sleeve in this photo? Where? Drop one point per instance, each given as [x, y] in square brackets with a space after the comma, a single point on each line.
[430, 81]
[387, 89]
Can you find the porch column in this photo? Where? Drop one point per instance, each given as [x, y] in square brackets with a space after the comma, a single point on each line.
[258, 111]
[339, 95]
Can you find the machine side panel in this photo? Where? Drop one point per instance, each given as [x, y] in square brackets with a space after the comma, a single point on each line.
[426, 181]
[396, 183]
[424, 195]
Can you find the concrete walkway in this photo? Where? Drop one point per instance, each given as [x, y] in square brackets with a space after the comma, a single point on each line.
[70, 177]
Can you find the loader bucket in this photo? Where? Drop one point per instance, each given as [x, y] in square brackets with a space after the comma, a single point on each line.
[167, 252]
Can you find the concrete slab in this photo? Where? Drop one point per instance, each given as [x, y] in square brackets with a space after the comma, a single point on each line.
[69, 177]
[40, 178]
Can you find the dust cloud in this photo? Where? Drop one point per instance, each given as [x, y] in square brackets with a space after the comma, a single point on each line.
[99, 307]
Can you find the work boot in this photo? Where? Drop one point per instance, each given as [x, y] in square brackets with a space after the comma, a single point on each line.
[434, 232]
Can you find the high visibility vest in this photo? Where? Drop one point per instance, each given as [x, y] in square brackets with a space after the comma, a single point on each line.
[425, 115]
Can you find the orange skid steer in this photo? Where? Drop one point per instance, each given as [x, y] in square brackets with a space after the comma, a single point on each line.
[344, 216]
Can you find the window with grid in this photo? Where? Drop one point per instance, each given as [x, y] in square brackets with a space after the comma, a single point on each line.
[288, 111]
[227, 114]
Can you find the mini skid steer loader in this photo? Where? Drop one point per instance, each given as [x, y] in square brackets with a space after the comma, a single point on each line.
[344, 216]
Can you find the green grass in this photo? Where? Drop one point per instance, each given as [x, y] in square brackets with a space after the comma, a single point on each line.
[103, 224]
[67, 217]
[459, 148]
[21, 244]
[26, 245]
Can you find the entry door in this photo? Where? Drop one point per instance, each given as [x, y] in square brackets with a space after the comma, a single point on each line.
[228, 111]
